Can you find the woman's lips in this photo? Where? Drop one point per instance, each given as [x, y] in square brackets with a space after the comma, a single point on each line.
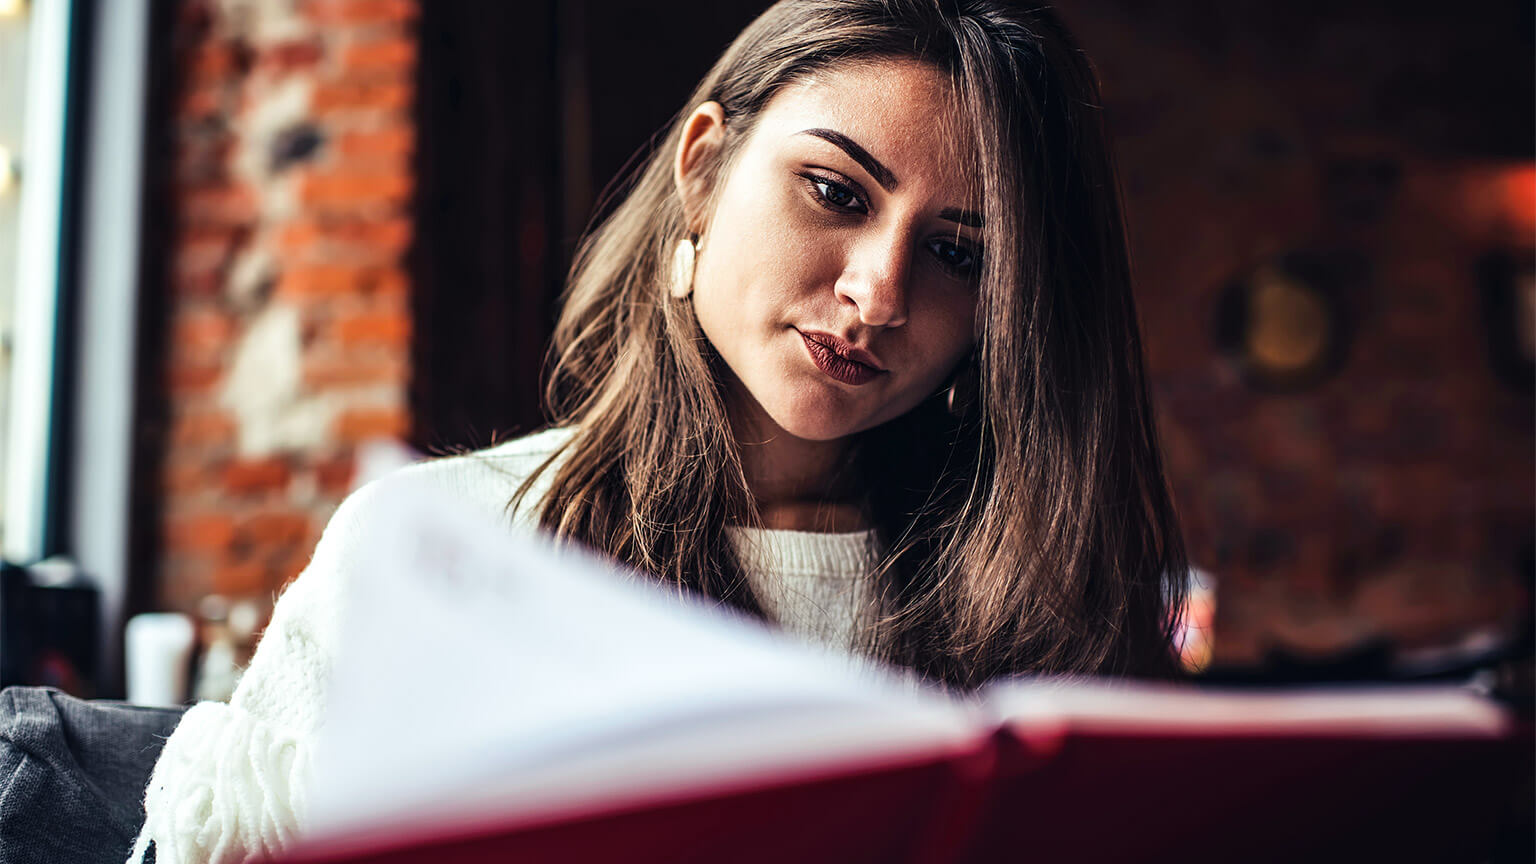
[837, 365]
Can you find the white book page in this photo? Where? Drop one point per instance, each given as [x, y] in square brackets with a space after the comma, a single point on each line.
[1416, 710]
[482, 673]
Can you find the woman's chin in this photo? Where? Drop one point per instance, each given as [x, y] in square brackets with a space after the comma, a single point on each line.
[820, 423]
[817, 431]
[814, 417]
[812, 422]
[819, 413]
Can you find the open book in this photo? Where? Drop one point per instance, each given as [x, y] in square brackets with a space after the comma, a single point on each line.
[497, 699]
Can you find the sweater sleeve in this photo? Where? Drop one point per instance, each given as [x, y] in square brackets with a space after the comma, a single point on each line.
[232, 780]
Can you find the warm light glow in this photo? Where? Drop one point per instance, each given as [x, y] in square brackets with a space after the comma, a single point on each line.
[1520, 197]
[1287, 323]
[1195, 634]
[7, 169]
[12, 8]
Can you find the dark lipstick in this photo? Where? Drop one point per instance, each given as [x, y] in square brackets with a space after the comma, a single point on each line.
[841, 361]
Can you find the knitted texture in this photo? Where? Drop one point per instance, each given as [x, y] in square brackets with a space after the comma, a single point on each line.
[227, 786]
[232, 781]
[811, 583]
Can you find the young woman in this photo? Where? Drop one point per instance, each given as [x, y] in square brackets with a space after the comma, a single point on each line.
[857, 354]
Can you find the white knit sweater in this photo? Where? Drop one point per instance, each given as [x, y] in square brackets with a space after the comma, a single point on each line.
[232, 780]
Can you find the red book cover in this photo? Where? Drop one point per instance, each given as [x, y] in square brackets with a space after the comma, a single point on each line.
[1081, 795]
[497, 700]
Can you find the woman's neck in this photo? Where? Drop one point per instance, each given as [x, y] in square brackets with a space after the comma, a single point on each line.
[798, 484]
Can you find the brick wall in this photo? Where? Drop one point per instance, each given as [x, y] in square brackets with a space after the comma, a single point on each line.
[289, 326]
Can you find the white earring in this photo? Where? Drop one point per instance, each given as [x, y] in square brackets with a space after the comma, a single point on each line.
[684, 258]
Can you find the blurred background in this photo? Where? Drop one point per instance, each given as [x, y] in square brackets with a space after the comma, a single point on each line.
[242, 241]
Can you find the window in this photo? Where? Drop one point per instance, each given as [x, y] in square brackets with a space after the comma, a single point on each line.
[34, 59]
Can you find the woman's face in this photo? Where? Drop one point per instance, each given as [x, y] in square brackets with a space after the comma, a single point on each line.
[837, 270]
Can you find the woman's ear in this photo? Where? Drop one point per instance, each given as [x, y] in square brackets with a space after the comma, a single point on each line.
[698, 155]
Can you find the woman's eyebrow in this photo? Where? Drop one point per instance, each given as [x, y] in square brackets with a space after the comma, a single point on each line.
[969, 218]
[882, 174]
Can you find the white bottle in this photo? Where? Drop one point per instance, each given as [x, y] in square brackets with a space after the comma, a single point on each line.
[217, 674]
[158, 650]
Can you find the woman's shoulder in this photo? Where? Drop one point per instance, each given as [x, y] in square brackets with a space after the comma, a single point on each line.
[488, 478]
[517, 456]
[484, 480]
[533, 447]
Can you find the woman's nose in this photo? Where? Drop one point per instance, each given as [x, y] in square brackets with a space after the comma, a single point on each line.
[875, 281]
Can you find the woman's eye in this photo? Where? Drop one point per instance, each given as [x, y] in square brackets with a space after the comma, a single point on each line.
[955, 258]
[835, 195]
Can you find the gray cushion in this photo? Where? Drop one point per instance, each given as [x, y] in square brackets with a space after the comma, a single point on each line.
[72, 775]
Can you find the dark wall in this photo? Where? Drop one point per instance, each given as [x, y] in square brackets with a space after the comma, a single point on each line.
[485, 262]
[527, 112]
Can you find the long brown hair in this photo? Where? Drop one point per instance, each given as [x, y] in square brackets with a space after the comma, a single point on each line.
[1033, 532]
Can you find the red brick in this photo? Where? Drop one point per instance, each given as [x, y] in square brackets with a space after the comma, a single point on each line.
[290, 55]
[291, 564]
[380, 96]
[256, 475]
[376, 164]
[391, 283]
[213, 62]
[393, 236]
[189, 377]
[299, 236]
[389, 329]
[353, 369]
[274, 530]
[201, 330]
[242, 577]
[395, 141]
[320, 281]
[380, 239]
[334, 475]
[217, 205]
[364, 424]
[343, 191]
[380, 55]
[180, 479]
[206, 140]
[201, 258]
[360, 11]
[201, 100]
[201, 427]
[203, 286]
[199, 533]
[344, 255]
